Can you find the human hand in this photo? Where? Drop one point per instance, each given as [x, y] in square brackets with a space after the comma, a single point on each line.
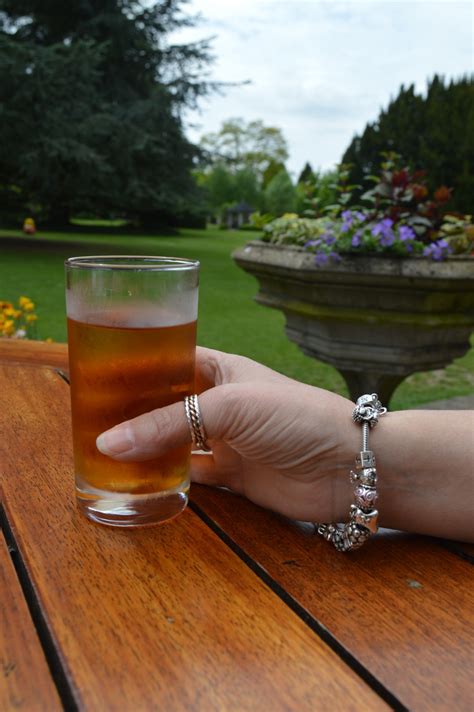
[283, 444]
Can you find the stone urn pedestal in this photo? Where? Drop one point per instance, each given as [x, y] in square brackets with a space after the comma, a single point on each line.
[376, 319]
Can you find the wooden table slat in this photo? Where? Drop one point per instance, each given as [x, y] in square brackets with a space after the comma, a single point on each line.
[160, 618]
[34, 353]
[25, 680]
[403, 606]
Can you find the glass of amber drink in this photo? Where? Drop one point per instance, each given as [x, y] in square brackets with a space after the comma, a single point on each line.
[132, 343]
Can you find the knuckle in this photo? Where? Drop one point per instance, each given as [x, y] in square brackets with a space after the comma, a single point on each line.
[229, 408]
[162, 425]
[215, 364]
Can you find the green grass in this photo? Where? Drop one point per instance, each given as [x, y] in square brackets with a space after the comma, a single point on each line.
[86, 222]
[229, 318]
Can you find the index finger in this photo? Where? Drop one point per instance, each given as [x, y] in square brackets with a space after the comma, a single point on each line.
[215, 368]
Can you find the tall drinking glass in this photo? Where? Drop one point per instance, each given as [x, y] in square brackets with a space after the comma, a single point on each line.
[132, 343]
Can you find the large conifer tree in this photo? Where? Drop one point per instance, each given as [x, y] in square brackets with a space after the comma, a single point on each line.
[91, 100]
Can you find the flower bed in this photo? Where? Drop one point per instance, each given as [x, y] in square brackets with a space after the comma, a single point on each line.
[18, 322]
[395, 218]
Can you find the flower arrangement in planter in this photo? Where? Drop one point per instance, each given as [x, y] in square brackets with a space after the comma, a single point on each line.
[397, 218]
[368, 288]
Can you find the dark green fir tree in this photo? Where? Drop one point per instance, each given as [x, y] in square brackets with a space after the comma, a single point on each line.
[91, 102]
[433, 132]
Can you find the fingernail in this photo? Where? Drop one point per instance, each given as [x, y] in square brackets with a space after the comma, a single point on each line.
[116, 441]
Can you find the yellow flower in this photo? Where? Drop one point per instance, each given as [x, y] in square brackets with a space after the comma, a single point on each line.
[8, 327]
[29, 306]
[49, 340]
[17, 313]
[31, 317]
[8, 311]
[6, 305]
[24, 300]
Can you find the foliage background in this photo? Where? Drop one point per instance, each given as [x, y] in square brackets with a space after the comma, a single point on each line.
[433, 132]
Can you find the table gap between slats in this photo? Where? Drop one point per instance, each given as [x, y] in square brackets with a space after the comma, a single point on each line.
[56, 669]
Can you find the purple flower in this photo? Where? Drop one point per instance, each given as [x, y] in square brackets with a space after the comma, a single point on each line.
[329, 238]
[321, 258]
[387, 239]
[406, 233]
[313, 243]
[356, 238]
[347, 220]
[438, 250]
[359, 216]
[384, 228]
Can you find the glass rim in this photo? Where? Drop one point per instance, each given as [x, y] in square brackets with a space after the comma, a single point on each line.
[157, 263]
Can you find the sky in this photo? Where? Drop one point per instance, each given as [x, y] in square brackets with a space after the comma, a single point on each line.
[321, 69]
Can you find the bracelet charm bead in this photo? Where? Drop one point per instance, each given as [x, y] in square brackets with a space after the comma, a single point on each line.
[363, 515]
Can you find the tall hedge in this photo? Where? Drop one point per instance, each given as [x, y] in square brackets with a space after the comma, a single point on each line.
[432, 131]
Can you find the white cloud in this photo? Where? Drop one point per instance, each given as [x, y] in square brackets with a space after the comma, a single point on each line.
[321, 69]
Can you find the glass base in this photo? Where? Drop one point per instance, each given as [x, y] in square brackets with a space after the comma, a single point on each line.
[119, 509]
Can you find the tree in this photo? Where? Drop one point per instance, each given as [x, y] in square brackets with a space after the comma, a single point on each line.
[218, 186]
[91, 100]
[271, 171]
[240, 162]
[307, 174]
[223, 188]
[137, 53]
[48, 155]
[246, 188]
[239, 145]
[434, 133]
[317, 193]
[280, 194]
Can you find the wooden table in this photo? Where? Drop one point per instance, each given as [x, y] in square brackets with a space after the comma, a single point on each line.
[229, 607]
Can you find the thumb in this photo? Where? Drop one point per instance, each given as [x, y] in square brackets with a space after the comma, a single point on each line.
[153, 434]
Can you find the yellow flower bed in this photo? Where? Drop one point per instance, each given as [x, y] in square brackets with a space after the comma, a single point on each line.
[18, 322]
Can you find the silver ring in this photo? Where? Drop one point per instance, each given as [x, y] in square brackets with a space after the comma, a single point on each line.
[196, 427]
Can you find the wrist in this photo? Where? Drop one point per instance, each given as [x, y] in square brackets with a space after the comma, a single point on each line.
[424, 462]
[363, 515]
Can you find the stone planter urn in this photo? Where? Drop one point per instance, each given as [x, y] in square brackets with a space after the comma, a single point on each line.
[376, 319]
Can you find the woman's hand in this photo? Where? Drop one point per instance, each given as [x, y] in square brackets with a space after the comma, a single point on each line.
[283, 444]
[289, 447]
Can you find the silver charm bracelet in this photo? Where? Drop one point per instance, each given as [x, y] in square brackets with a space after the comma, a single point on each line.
[363, 515]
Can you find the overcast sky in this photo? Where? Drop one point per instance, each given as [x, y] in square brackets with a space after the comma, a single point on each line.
[320, 69]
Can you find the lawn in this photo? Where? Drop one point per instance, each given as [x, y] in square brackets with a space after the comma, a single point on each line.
[229, 319]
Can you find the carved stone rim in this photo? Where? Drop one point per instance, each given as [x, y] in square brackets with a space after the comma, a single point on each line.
[294, 257]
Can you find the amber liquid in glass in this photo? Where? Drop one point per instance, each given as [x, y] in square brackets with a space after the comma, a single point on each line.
[116, 374]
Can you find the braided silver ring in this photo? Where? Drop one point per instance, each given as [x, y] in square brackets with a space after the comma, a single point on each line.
[196, 427]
